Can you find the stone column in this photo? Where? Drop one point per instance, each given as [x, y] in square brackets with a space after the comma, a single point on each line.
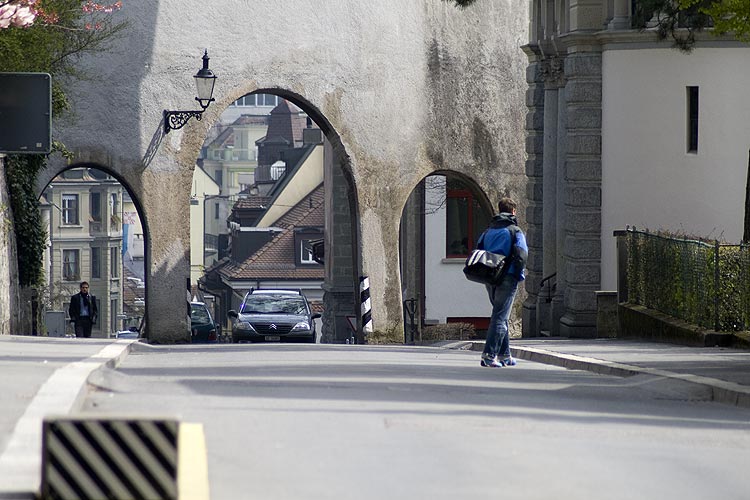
[582, 249]
[549, 190]
[558, 297]
[621, 19]
[534, 188]
[340, 287]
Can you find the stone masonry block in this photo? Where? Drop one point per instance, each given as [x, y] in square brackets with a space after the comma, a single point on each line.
[534, 73]
[584, 169]
[583, 64]
[535, 120]
[584, 117]
[584, 144]
[584, 222]
[584, 273]
[583, 91]
[535, 96]
[535, 166]
[583, 196]
[583, 248]
[580, 299]
[534, 213]
[534, 143]
[534, 191]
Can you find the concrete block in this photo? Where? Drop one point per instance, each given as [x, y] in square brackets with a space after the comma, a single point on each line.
[606, 314]
[124, 458]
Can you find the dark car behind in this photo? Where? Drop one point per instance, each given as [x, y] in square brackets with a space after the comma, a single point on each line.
[202, 326]
[274, 316]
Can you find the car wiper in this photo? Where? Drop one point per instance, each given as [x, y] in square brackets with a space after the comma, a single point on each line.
[251, 312]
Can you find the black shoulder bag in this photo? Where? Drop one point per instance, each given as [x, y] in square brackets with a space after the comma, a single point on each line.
[486, 267]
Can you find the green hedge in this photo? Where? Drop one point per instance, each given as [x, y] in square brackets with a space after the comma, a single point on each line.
[701, 282]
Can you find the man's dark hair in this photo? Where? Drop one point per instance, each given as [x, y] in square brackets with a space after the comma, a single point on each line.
[83, 283]
[506, 205]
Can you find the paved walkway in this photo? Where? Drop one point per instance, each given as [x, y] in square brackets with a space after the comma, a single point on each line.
[722, 371]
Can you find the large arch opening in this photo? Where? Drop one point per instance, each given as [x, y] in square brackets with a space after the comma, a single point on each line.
[440, 224]
[95, 233]
[274, 206]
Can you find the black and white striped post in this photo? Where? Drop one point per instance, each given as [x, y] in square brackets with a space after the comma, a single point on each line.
[365, 306]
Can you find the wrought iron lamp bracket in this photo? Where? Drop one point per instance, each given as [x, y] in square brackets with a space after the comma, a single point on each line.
[174, 120]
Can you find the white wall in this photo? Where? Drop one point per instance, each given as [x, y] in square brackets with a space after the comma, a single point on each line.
[648, 178]
[447, 292]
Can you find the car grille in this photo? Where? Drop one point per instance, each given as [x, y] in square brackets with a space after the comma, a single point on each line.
[268, 328]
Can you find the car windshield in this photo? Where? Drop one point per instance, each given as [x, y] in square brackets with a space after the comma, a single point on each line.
[199, 314]
[274, 304]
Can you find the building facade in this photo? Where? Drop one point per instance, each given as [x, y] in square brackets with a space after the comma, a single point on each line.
[622, 129]
[83, 211]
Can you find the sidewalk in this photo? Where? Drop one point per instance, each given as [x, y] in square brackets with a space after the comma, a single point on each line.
[723, 372]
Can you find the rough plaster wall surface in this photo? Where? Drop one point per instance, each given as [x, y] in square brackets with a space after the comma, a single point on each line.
[405, 88]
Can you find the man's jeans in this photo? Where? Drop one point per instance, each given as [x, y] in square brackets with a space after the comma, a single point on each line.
[501, 298]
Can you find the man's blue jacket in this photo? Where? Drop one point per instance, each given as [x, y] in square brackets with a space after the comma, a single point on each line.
[496, 239]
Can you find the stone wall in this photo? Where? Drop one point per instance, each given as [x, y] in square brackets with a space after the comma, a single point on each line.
[8, 263]
[401, 90]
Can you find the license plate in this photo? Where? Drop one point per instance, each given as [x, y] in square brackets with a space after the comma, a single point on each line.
[272, 338]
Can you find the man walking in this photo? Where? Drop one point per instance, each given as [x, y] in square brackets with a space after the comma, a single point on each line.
[83, 311]
[503, 236]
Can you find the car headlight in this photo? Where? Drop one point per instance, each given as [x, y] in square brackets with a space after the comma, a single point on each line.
[244, 325]
[302, 325]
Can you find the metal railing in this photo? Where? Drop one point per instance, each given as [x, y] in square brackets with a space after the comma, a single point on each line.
[703, 283]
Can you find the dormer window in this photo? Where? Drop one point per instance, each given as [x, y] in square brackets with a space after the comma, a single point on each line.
[303, 241]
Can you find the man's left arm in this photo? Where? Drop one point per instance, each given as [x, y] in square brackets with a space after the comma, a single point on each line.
[521, 249]
[94, 310]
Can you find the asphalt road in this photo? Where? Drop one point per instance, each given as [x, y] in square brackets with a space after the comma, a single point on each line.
[370, 422]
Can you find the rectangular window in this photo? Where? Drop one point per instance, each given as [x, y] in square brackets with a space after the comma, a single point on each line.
[692, 122]
[114, 262]
[216, 211]
[219, 177]
[464, 222]
[70, 209]
[306, 256]
[95, 204]
[96, 263]
[267, 100]
[71, 268]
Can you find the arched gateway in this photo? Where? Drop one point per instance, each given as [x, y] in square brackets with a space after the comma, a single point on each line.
[400, 89]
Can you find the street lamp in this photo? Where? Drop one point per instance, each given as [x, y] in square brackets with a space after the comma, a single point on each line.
[204, 82]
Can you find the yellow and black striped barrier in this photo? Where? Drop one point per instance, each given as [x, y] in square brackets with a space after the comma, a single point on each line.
[94, 458]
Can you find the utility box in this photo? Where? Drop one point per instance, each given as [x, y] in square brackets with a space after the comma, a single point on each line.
[55, 323]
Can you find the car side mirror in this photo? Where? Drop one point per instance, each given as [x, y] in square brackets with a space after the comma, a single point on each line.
[316, 316]
[232, 314]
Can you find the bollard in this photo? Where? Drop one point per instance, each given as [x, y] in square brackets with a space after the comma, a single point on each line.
[365, 308]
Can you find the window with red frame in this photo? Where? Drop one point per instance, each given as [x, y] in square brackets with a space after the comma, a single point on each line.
[465, 219]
